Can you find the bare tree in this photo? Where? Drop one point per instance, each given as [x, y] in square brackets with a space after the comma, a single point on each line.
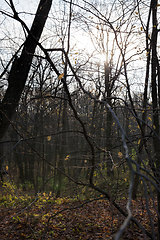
[21, 65]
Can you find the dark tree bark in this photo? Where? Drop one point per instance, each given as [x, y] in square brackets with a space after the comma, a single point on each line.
[144, 105]
[154, 85]
[109, 119]
[21, 66]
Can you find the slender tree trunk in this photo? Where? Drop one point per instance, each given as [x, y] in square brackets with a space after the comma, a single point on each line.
[156, 136]
[108, 118]
[144, 114]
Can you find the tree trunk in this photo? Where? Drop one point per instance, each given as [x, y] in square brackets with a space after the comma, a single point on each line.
[109, 119]
[156, 141]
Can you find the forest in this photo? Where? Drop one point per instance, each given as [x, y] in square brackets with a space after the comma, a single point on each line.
[80, 119]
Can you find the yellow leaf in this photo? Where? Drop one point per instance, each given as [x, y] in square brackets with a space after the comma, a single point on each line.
[125, 179]
[139, 141]
[67, 157]
[23, 234]
[49, 138]
[154, 126]
[149, 118]
[60, 76]
[141, 28]
[6, 168]
[120, 154]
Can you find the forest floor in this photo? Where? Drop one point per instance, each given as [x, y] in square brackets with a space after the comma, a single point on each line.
[23, 216]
